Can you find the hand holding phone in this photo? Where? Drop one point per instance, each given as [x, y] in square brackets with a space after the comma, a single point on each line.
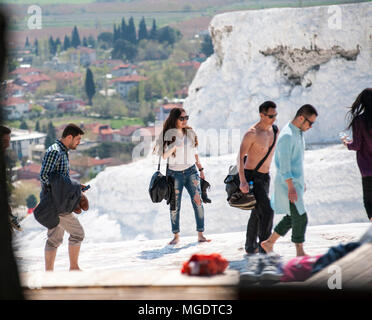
[85, 188]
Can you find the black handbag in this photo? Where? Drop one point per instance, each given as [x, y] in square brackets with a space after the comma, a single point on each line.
[236, 198]
[162, 187]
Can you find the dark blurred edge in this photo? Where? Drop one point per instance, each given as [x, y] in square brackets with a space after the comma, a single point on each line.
[10, 287]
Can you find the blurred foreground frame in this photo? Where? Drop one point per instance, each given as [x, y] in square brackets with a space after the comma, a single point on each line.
[10, 287]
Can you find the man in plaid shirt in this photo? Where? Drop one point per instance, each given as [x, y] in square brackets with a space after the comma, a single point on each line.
[56, 161]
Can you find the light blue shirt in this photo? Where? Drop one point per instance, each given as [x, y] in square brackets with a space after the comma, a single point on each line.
[289, 162]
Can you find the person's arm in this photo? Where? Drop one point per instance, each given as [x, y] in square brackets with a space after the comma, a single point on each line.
[244, 148]
[355, 144]
[49, 163]
[283, 150]
[199, 166]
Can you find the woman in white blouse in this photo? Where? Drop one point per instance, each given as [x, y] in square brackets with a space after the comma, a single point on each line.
[178, 143]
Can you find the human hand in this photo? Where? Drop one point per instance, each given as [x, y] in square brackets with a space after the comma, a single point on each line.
[244, 187]
[202, 175]
[292, 194]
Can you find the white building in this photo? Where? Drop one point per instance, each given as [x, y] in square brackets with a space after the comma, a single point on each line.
[15, 108]
[23, 142]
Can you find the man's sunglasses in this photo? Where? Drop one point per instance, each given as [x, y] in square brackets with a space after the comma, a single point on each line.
[271, 116]
[310, 122]
[183, 118]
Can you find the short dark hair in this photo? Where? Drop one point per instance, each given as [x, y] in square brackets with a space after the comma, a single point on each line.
[4, 130]
[73, 130]
[264, 107]
[306, 110]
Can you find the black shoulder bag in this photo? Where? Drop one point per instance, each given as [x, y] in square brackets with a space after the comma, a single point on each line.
[162, 187]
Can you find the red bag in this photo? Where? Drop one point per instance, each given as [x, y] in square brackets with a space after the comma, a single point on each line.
[299, 268]
[205, 265]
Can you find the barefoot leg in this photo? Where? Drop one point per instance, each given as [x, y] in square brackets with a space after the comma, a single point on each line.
[268, 244]
[201, 238]
[176, 239]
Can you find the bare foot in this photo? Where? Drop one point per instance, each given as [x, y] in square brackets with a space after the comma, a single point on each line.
[203, 239]
[267, 246]
[175, 240]
[75, 269]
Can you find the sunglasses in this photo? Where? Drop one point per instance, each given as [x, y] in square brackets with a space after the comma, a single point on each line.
[271, 116]
[310, 122]
[183, 118]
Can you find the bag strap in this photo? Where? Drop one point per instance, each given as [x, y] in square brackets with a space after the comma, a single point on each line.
[275, 129]
[159, 163]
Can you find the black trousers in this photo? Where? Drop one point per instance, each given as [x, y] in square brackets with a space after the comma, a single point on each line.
[261, 219]
[367, 195]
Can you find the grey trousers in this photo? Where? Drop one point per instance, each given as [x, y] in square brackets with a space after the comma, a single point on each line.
[67, 222]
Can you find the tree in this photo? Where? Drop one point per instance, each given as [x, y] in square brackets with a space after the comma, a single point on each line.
[207, 46]
[31, 201]
[90, 87]
[116, 34]
[124, 50]
[106, 38]
[51, 135]
[37, 126]
[27, 44]
[75, 38]
[142, 30]
[153, 32]
[169, 35]
[36, 46]
[123, 30]
[91, 41]
[66, 43]
[132, 35]
[52, 46]
[23, 125]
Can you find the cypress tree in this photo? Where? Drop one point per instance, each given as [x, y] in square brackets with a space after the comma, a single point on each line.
[37, 126]
[153, 32]
[90, 88]
[36, 45]
[123, 30]
[75, 38]
[132, 35]
[142, 30]
[66, 43]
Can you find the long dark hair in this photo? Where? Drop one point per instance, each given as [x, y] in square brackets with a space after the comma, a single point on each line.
[362, 106]
[171, 123]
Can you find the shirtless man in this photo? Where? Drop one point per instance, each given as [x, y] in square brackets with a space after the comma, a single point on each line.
[255, 145]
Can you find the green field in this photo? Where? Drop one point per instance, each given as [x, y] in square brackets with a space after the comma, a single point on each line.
[58, 121]
[93, 14]
[48, 2]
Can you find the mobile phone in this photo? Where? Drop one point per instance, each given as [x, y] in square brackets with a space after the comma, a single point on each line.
[86, 188]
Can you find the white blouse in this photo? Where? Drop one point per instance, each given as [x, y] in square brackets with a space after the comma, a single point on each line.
[185, 154]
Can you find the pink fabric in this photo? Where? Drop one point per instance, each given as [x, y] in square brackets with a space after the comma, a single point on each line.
[299, 268]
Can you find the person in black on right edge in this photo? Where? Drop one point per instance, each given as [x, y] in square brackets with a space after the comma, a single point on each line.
[258, 143]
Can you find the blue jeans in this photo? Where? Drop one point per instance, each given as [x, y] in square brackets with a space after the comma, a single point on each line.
[189, 179]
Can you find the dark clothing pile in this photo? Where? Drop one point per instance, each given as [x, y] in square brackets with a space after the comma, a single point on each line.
[63, 195]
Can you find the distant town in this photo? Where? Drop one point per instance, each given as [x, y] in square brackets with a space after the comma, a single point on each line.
[111, 86]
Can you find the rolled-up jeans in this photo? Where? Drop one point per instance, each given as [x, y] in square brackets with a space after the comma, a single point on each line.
[189, 179]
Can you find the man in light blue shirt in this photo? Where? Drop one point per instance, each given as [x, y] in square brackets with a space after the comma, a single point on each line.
[289, 181]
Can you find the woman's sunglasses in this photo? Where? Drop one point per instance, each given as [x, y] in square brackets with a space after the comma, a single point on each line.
[183, 118]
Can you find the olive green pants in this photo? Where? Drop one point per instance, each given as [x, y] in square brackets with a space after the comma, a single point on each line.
[294, 220]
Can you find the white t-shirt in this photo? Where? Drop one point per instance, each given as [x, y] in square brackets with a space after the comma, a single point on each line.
[185, 154]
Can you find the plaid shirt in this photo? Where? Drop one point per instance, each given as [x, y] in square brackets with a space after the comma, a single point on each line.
[55, 160]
